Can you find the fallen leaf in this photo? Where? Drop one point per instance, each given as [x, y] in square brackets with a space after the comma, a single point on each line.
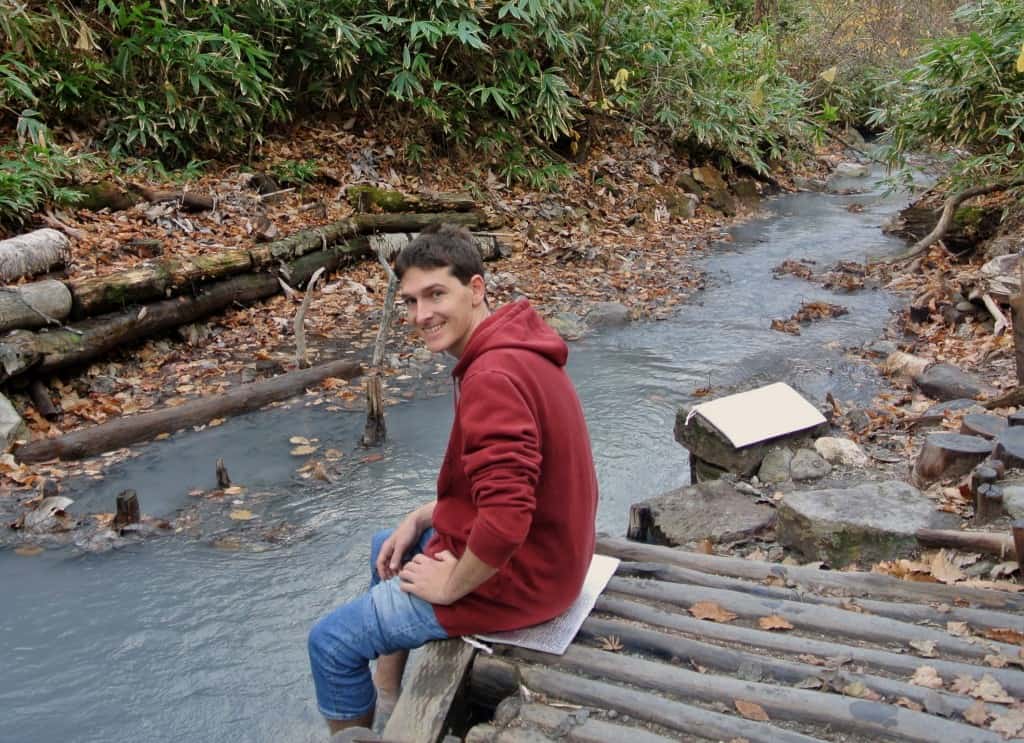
[611, 643]
[928, 677]
[303, 450]
[909, 704]
[298, 440]
[751, 711]
[997, 661]
[812, 659]
[1005, 634]
[241, 514]
[945, 569]
[215, 422]
[774, 622]
[1009, 725]
[28, 550]
[711, 611]
[320, 473]
[963, 684]
[857, 689]
[234, 490]
[332, 454]
[372, 458]
[924, 647]
[990, 690]
[706, 546]
[977, 714]
[958, 629]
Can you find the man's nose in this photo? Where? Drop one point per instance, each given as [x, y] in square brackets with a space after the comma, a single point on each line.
[422, 313]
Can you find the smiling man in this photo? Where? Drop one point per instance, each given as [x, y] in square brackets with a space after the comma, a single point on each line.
[508, 540]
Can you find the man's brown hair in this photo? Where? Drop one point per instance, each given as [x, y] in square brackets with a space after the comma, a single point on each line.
[442, 246]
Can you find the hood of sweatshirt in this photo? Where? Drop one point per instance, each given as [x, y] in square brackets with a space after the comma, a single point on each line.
[516, 325]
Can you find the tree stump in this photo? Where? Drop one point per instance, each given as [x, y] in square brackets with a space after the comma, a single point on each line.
[988, 503]
[948, 455]
[1016, 419]
[1010, 447]
[41, 400]
[982, 424]
[128, 511]
[223, 479]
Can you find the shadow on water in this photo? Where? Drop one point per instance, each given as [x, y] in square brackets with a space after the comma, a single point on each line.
[176, 639]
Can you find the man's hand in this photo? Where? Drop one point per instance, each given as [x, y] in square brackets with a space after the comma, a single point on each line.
[430, 577]
[402, 539]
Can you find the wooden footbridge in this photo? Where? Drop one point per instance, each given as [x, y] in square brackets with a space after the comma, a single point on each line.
[781, 654]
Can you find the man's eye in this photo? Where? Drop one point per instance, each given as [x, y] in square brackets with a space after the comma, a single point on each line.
[437, 295]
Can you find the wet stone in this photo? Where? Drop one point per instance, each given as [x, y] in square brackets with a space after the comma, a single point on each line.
[865, 523]
[948, 382]
[852, 170]
[808, 465]
[608, 315]
[567, 325]
[711, 510]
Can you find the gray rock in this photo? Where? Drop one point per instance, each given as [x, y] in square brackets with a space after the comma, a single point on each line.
[1013, 501]
[947, 382]
[775, 465]
[716, 190]
[710, 510]
[809, 184]
[746, 191]
[852, 170]
[866, 523]
[807, 464]
[12, 427]
[858, 420]
[706, 443]
[701, 471]
[608, 315]
[567, 325]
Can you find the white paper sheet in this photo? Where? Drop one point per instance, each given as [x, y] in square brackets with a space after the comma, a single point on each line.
[556, 635]
[758, 415]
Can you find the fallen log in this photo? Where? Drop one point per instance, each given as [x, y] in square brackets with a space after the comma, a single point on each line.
[1011, 399]
[33, 305]
[829, 581]
[363, 197]
[44, 352]
[133, 429]
[875, 720]
[41, 400]
[685, 718]
[32, 253]
[1000, 545]
[809, 617]
[902, 664]
[189, 200]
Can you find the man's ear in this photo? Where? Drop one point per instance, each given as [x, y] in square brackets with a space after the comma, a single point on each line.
[479, 288]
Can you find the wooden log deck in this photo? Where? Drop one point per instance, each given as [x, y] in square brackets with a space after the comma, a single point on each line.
[796, 654]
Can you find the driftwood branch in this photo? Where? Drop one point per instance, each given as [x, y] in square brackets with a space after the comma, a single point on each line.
[300, 319]
[135, 428]
[375, 430]
[948, 212]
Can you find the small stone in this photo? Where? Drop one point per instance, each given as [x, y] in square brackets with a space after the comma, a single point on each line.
[808, 465]
[775, 465]
[858, 420]
[852, 170]
[840, 451]
[948, 382]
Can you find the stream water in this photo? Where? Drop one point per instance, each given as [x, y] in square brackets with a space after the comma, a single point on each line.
[180, 639]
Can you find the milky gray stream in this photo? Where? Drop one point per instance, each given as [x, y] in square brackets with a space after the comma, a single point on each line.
[175, 639]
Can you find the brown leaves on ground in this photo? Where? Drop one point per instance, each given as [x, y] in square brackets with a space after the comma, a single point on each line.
[751, 710]
[927, 677]
[808, 312]
[987, 689]
[800, 269]
[860, 691]
[711, 611]
[924, 648]
[1005, 634]
[1009, 725]
[774, 622]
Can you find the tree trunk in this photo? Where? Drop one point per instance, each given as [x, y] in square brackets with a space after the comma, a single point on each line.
[46, 351]
[1017, 318]
[144, 426]
[32, 253]
[33, 305]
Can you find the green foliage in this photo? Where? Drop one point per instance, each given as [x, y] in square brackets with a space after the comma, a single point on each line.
[32, 176]
[294, 172]
[966, 92]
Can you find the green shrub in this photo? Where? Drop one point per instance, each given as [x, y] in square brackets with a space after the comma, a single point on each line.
[967, 92]
[33, 176]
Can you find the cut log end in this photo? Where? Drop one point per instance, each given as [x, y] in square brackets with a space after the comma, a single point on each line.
[948, 455]
[128, 511]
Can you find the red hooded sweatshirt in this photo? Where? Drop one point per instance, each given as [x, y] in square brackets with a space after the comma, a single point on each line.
[518, 483]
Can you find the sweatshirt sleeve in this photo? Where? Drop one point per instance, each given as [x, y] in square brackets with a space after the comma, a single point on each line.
[501, 457]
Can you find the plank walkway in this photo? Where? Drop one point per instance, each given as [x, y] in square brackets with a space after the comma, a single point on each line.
[644, 669]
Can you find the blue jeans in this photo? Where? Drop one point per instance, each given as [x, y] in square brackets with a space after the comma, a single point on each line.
[381, 621]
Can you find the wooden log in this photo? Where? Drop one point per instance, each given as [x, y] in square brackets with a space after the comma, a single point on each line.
[639, 521]
[988, 503]
[827, 581]
[128, 511]
[729, 660]
[901, 664]
[189, 201]
[423, 708]
[1011, 399]
[685, 718]
[363, 197]
[972, 541]
[132, 429]
[223, 478]
[948, 455]
[903, 611]
[983, 425]
[32, 253]
[375, 430]
[1017, 530]
[1010, 447]
[41, 400]
[1001, 323]
[1017, 318]
[43, 352]
[33, 305]
[857, 716]
[589, 731]
[808, 617]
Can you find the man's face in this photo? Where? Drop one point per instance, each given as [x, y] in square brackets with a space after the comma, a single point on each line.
[444, 310]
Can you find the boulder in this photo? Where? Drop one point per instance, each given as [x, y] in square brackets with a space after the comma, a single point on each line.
[710, 510]
[804, 183]
[807, 464]
[865, 523]
[716, 190]
[747, 192]
[608, 315]
[567, 325]
[852, 170]
[12, 427]
[705, 443]
[774, 467]
[947, 382]
[841, 451]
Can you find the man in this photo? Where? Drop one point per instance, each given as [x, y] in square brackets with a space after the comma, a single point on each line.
[509, 539]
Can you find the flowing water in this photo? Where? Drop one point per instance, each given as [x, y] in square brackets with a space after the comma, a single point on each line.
[201, 637]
